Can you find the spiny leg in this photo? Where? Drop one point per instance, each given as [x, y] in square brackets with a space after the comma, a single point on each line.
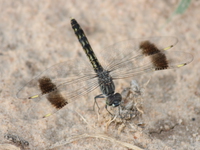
[106, 106]
[95, 101]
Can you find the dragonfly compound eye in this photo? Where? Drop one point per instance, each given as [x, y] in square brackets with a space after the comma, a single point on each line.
[114, 100]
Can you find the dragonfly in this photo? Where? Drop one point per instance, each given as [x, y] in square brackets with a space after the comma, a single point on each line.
[61, 84]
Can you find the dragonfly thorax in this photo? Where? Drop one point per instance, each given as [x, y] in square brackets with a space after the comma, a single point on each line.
[106, 83]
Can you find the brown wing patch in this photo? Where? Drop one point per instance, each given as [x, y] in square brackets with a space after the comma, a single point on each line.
[158, 58]
[53, 95]
[56, 99]
[46, 85]
[159, 61]
[148, 48]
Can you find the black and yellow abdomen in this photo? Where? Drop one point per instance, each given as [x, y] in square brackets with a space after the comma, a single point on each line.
[86, 46]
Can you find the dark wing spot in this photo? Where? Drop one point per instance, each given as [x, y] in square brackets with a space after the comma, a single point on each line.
[56, 99]
[148, 48]
[46, 85]
[53, 96]
[159, 61]
[158, 58]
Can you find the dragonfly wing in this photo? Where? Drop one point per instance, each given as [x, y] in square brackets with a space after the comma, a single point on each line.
[128, 49]
[56, 87]
[64, 94]
[159, 61]
[60, 73]
[144, 55]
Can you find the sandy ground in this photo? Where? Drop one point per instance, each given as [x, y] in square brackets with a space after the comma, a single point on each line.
[37, 34]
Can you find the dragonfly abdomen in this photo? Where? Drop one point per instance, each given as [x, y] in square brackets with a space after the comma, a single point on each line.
[86, 46]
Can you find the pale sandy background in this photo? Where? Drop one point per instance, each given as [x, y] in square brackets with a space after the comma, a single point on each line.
[37, 34]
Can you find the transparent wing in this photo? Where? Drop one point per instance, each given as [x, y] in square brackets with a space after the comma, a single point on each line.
[56, 87]
[138, 56]
[124, 50]
[138, 66]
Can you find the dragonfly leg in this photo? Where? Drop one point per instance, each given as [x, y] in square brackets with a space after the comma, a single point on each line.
[95, 101]
[106, 106]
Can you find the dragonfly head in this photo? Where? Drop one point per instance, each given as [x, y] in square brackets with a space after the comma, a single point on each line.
[114, 100]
